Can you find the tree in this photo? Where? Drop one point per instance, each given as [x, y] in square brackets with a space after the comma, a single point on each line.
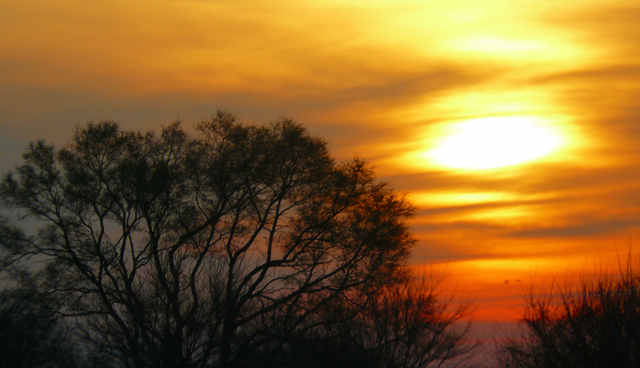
[190, 250]
[594, 325]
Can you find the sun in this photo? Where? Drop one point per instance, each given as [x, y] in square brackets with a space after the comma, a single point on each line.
[493, 142]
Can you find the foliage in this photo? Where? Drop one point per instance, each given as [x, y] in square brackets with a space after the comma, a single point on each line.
[199, 250]
[595, 325]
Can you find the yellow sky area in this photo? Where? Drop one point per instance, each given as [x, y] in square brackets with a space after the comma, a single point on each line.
[504, 209]
[451, 198]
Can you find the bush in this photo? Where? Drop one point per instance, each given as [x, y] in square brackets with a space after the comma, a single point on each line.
[596, 324]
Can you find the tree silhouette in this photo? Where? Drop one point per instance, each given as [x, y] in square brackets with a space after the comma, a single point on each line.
[199, 250]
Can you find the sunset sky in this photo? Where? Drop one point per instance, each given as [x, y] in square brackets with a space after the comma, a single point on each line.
[514, 126]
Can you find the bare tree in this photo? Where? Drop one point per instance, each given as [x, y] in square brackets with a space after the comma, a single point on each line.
[180, 250]
[596, 324]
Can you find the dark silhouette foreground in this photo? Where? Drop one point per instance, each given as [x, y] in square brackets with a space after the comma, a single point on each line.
[595, 325]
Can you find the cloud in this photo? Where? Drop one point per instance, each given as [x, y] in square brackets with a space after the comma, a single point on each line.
[609, 25]
[594, 227]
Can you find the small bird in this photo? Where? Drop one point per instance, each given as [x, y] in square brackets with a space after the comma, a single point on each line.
[506, 282]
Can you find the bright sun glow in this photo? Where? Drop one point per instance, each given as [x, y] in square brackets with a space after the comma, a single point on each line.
[489, 143]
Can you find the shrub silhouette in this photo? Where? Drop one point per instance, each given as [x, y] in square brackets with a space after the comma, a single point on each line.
[408, 324]
[596, 324]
